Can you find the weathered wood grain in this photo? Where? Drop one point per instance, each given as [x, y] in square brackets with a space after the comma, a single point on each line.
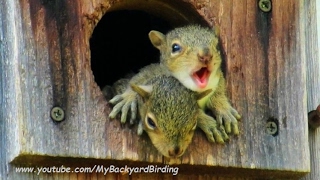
[45, 62]
[310, 17]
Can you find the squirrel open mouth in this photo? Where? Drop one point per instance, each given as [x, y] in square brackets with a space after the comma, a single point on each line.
[201, 77]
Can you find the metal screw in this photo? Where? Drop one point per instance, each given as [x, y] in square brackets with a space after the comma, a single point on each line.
[272, 128]
[265, 5]
[57, 113]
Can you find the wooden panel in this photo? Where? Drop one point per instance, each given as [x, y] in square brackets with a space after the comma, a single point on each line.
[311, 17]
[117, 176]
[45, 62]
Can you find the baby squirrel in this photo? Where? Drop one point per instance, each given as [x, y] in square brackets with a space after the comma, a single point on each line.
[170, 113]
[190, 54]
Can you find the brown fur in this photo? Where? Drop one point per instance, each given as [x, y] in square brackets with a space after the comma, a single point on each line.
[198, 48]
[174, 112]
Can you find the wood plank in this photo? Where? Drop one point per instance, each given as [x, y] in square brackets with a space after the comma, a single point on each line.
[310, 22]
[118, 176]
[45, 62]
[9, 45]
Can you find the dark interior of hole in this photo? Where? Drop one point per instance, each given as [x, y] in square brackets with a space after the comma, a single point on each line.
[120, 44]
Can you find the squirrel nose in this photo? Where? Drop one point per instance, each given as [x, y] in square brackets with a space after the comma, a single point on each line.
[204, 58]
[204, 55]
[175, 152]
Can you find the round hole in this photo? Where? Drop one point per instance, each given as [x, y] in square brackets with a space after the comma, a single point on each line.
[119, 43]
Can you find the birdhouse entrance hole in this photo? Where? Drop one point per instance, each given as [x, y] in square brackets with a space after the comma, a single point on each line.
[119, 43]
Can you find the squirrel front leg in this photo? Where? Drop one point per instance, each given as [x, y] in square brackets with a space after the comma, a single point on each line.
[212, 130]
[126, 98]
[123, 102]
[225, 114]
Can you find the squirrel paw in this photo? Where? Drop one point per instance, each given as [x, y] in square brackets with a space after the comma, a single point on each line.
[213, 132]
[122, 103]
[228, 117]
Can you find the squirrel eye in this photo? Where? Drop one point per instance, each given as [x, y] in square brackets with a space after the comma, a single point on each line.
[151, 123]
[176, 47]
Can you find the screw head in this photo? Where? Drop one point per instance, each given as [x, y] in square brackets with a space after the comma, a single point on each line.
[265, 5]
[57, 113]
[272, 128]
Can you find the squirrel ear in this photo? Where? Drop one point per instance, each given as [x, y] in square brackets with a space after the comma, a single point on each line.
[157, 38]
[143, 91]
[203, 94]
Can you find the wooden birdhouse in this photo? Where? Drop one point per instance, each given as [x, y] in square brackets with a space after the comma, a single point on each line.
[56, 56]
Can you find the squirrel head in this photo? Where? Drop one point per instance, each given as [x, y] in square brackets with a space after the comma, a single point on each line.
[169, 113]
[191, 53]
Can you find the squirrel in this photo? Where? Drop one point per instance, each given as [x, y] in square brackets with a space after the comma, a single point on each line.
[191, 54]
[170, 113]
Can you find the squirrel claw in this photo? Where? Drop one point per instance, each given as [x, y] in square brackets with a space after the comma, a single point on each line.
[209, 126]
[235, 113]
[133, 109]
[123, 103]
[223, 133]
[214, 135]
[140, 128]
[229, 118]
[217, 135]
[116, 109]
[116, 99]
[124, 112]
